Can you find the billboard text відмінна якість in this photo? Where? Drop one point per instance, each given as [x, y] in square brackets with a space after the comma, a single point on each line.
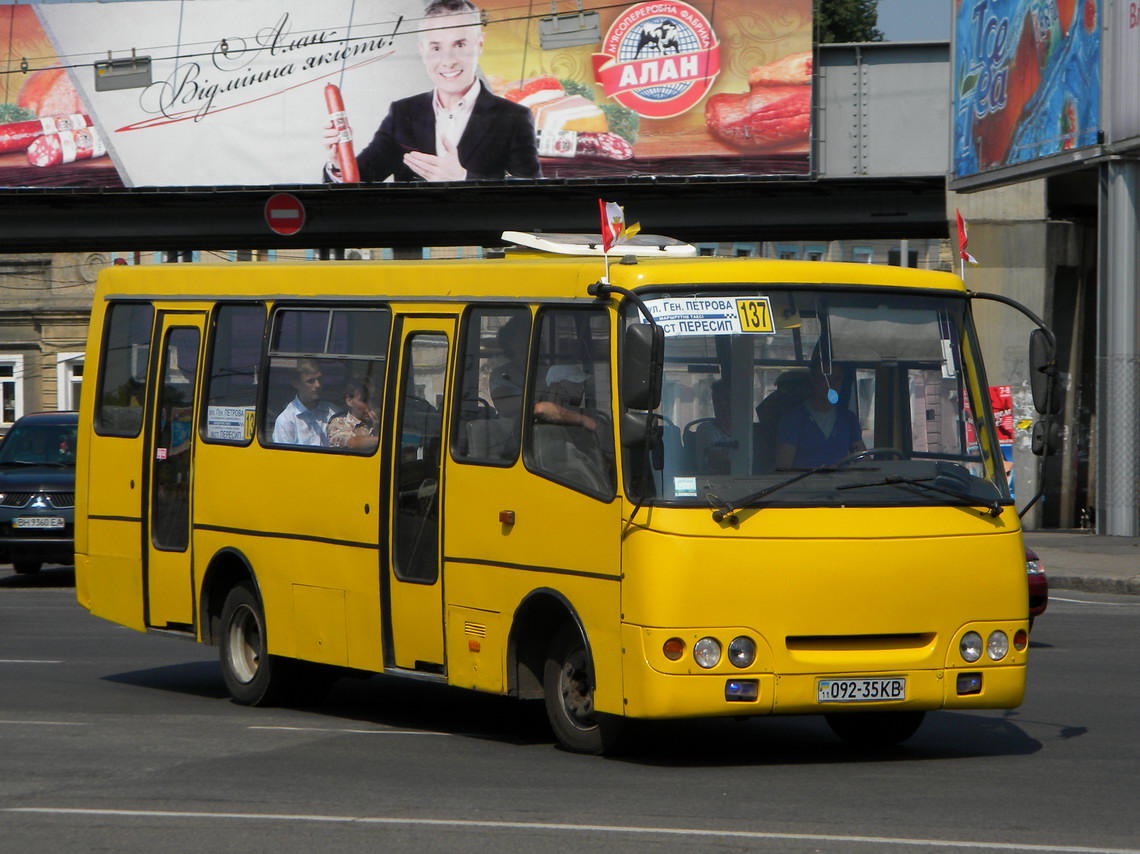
[238, 92]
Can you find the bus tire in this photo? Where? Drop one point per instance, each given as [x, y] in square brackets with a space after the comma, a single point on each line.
[875, 729]
[26, 567]
[568, 691]
[253, 677]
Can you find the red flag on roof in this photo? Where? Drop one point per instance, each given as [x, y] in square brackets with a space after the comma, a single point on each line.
[962, 253]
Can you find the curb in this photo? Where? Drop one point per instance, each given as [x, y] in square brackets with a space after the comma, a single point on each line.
[1093, 584]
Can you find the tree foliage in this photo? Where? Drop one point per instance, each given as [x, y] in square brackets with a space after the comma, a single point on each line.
[848, 21]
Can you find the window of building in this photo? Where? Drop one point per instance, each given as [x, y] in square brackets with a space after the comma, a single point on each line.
[11, 389]
[178, 256]
[69, 379]
[862, 254]
[787, 251]
[707, 249]
[815, 253]
[894, 256]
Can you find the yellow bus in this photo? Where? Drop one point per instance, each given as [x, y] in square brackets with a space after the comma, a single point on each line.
[691, 487]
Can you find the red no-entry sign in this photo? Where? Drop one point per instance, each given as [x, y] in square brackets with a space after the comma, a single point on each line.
[284, 213]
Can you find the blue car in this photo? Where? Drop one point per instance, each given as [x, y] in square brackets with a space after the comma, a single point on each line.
[37, 491]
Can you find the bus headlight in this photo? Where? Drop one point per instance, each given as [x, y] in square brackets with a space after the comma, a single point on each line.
[971, 646]
[997, 645]
[706, 652]
[742, 651]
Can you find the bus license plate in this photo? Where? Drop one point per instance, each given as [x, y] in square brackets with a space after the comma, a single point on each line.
[860, 690]
[38, 522]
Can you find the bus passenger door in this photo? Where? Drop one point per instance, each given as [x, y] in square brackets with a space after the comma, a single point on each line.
[170, 438]
[413, 604]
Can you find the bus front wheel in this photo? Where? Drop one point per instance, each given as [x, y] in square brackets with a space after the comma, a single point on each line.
[252, 676]
[568, 688]
[875, 729]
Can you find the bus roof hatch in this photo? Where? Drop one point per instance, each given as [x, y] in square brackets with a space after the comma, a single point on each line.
[643, 245]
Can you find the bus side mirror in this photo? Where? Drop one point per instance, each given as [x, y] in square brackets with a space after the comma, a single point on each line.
[1043, 373]
[643, 350]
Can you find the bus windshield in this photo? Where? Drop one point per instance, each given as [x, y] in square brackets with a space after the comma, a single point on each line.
[796, 397]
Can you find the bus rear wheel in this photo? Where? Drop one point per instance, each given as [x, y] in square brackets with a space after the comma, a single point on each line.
[26, 567]
[568, 689]
[253, 677]
[875, 729]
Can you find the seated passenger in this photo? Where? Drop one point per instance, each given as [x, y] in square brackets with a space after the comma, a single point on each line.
[713, 439]
[818, 431]
[356, 428]
[304, 421]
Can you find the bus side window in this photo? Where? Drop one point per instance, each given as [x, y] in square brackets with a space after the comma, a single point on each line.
[319, 358]
[122, 379]
[231, 392]
[570, 434]
[491, 384]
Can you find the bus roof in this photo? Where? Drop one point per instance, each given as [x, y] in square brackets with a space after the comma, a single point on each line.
[524, 276]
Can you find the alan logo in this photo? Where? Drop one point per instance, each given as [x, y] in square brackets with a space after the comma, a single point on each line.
[658, 59]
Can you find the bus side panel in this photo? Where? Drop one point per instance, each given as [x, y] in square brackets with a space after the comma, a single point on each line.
[306, 521]
[561, 540]
[112, 573]
[498, 592]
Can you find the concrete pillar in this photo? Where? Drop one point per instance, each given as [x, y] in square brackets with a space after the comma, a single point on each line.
[1118, 352]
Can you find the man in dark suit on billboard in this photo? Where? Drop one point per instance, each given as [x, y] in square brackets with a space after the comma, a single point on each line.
[459, 130]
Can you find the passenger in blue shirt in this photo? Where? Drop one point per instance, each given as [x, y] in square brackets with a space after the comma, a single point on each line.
[817, 431]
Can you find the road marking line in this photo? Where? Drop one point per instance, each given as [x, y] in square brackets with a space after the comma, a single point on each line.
[578, 828]
[44, 723]
[1094, 602]
[357, 731]
[30, 661]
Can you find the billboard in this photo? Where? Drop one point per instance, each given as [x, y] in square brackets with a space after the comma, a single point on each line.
[1027, 81]
[1122, 75]
[271, 92]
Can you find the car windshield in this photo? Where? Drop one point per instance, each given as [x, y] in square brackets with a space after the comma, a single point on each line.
[772, 394]
[39, 444]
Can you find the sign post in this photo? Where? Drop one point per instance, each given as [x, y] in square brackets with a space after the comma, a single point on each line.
[284, 214]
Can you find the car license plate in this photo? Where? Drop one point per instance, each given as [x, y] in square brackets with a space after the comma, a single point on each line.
[38, 522]
[860, 690]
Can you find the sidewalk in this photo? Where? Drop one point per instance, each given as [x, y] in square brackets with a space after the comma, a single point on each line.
[1081, 560]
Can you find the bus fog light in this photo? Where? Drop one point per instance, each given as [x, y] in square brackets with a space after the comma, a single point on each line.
[741, 690]
[997, 645]
[673, 649]
[742, 651]
[969, 683]
[971, 646]
[1021, 640]
[706, 652]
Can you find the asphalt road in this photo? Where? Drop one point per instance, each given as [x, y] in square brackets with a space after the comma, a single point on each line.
[115, 741]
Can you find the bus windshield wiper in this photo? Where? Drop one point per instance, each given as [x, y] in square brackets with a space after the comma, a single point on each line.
[993, 505]
[728, 511]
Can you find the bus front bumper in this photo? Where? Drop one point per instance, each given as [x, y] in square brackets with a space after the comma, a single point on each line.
[726, 691]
